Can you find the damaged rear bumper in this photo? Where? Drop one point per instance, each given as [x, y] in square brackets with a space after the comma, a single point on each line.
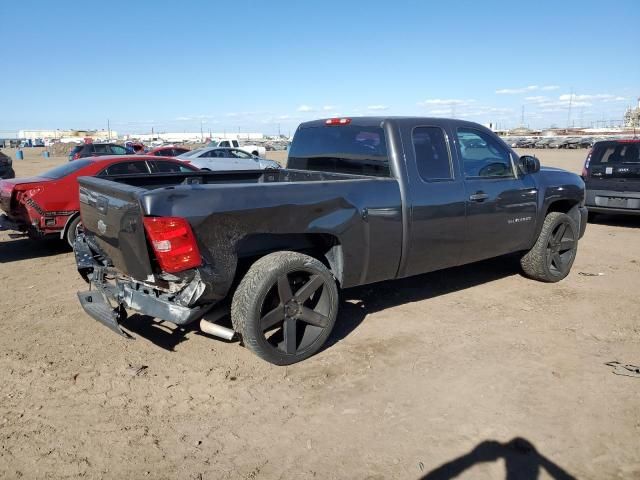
[113, 294]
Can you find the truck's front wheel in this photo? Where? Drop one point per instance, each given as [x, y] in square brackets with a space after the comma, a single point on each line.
[285, 307]
[552, 256]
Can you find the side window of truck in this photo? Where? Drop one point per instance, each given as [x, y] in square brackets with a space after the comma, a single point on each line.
[235, 143]
[482, 155]
[223, 144]
[432, 153]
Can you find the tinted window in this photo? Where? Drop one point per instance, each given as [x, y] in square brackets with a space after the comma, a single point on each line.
[483, 155]
[101, 148]
[616, 153]
[234, 143]
[432, 154]
[117, 150]
[224, 144]
[170, 167]
[66, 169]
[127, 168]
[343, 149]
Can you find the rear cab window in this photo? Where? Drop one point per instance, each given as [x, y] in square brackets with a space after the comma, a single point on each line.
[432, 154]
[351, 149]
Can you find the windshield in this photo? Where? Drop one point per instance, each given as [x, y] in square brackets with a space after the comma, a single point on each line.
[341, 149]
[612, 153]
[66, 169]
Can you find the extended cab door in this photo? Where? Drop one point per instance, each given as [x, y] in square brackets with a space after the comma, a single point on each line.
[501, 202]
[437, 223]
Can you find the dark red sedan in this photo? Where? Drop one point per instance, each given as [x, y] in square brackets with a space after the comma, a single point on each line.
[48, 204]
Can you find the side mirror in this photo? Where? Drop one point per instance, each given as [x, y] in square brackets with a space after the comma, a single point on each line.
[528, 164]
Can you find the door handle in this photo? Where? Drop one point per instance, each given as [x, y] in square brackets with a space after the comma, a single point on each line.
[478, 197]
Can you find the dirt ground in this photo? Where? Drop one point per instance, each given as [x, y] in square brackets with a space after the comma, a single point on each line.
[474, 370]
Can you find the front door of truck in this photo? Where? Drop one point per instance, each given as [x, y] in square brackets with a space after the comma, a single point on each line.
[437, 224]
[501, 202]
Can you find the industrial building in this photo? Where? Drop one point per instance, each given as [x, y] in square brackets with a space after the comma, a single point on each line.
[632, 116]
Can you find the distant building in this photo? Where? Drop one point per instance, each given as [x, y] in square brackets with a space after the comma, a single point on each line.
[193, 136]
[68, 134]
[632, 116]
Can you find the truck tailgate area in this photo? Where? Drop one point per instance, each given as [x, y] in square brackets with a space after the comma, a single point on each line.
[112, 217]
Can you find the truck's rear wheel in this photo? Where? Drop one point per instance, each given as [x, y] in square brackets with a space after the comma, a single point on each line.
[285, 307]
[552, 256]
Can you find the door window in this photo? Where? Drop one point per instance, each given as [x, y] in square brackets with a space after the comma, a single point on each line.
[432, 154]
[170, 167]
[127, 168]
[224, 144]
[482, 155]
[239, 154]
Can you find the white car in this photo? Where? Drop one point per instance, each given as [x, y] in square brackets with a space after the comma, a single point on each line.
[222, 159]
[256, 150]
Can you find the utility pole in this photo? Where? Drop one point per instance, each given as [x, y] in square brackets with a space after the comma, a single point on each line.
[108, 130]
[570, 103]
[201, 134]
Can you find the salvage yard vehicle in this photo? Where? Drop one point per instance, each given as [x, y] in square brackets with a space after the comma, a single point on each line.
[362, 200]
[225, 159]
[96, 150]
[612, 176]
[6, 166]
[47, 205]
[168, 151]
[254, 150]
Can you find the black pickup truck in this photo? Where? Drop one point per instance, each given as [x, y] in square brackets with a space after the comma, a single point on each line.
[362, 200]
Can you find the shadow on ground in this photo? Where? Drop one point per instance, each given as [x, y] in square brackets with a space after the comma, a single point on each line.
[521, 459]
[356, 303]
[628, 221]
[361, 301]
[24, 249]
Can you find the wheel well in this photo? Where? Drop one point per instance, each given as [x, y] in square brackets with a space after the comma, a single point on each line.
[570, 207]
[324, 247]
[71, 218]
[255, 152]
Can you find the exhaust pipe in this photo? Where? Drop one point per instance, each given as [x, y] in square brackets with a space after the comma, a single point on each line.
[207, 326]
[216, 330]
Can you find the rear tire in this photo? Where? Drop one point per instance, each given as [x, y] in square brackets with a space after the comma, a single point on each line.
[285, 307]
[552, 256]
[74, 228]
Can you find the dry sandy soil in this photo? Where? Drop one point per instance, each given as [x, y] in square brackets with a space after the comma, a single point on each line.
[445, 368]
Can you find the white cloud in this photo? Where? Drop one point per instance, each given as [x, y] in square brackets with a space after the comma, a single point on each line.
[537, 99]
[444, 101]
[326, 108]
[305, 108]
[377, 107]
[604, 97]
[515, 91]
[183, 119]
[530, 88]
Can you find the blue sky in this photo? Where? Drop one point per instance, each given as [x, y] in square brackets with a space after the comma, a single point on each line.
[256, 65]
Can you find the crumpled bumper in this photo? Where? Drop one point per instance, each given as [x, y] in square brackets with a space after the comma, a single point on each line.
[108, 301]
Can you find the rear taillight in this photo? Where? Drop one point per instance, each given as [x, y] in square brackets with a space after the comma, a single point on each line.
[337, 121]
[585, 168]
[173, 243]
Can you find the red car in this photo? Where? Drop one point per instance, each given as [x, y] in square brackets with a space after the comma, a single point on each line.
[48, 205]
[167, 151]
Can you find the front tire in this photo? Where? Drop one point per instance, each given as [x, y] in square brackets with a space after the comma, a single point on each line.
[285, 307]
[552, 256]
